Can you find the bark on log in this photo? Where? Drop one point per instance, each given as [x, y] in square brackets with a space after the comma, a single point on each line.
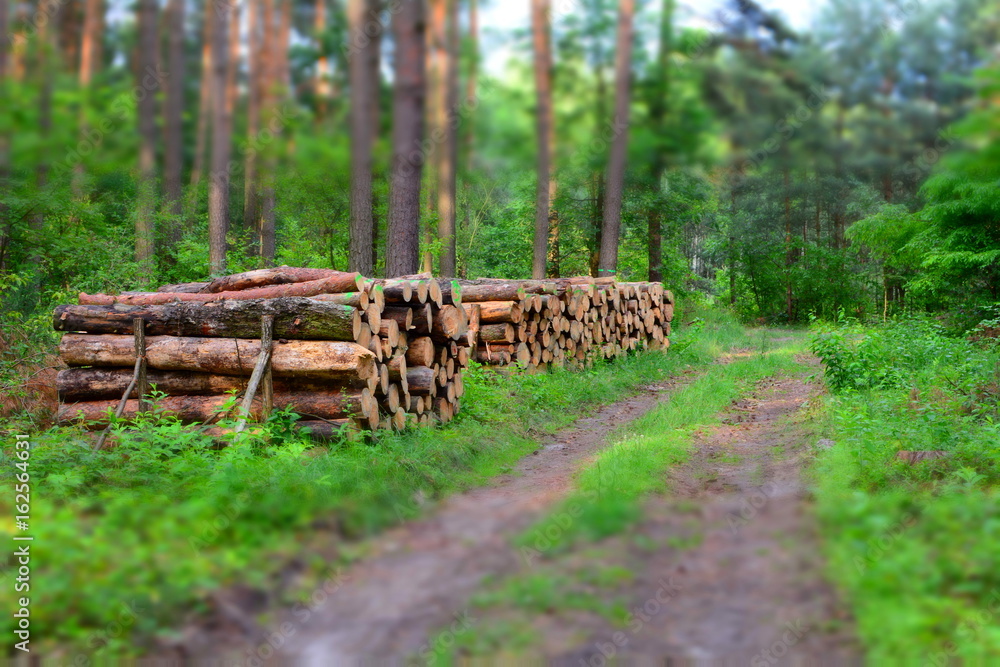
[184, 288]
[421, 380]
[493, 312]
[92, 384]
[449, 323]
[423, 320]
[282, 275]
[312, 288]
[360, 300]
[402, 315]
[325, 405]
[497, 333]
[476, 292]
[319, 359]
[294, 318]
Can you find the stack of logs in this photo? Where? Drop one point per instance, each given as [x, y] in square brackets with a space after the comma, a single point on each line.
[569, 321]
[334, 348]
[346, 351]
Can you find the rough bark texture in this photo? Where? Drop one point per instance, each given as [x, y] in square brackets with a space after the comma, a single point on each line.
[282, 275]
[93, 384]
[147, 80]
[296, 318]
[256, 59]
[657, 118]
[499, 291]
[403, 238]
[318, 359]
[364, 89]
[611, 222]
[447, 51]
[204, 97]
[493, 312]
[541, 39]
[338, 284]
[90, 43]
[218, 185]
[324, 405]
[173, 112]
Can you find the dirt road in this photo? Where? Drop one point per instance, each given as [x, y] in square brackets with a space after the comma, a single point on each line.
[725, 567]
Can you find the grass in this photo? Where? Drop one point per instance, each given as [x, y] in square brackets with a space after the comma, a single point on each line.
[163, 520]
[914, 549]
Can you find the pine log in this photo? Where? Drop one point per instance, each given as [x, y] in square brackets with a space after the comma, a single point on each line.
[319, 359]
[311, 288]
[396, 291]
[423, 319]
[479, 291]
[402, 315]
[493, 312]
[282, 275]
[91, 384]
[421, 380]
[359, 300]
[451, 292]
[389, 330]
[497, 333]
[420, 352]
[184, 288]
[449, 323]
[324, 405]
[294, 318]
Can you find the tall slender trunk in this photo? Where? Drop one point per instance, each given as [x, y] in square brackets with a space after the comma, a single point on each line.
[447, 153]
[362, 136]
[470, 103]
[789, 251]
[597, 179]
[173, 158]
[321, 81]
[218, 185]
[436, 115]
[544, 122]
[611, 224]
[205, 97]
[45, 73]
[4, 139]
[409, 94]
[90, 41]
[657, 118]
[147, 80]
[257, 57]
[272, 89]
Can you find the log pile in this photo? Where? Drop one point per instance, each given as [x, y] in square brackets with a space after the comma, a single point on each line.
[346, 351]
[333, 347]
[566, 322]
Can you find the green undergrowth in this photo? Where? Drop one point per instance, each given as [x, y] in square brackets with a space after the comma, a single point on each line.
[608, 499]
[915, 548]
[146, 531]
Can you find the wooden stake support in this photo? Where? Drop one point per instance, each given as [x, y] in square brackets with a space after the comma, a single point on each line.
[261, 368]
[138, 381]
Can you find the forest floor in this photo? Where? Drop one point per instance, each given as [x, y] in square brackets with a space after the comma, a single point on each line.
[721, 563]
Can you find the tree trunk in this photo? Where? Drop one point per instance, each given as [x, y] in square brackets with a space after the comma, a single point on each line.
[283, 275]
[258, 23]
[233, 356]
[541, 30]
[657, 117]
[611, 224]
[218, 186]
[295, 318]
[363, 109]
[91, 41]
[204, 97]
[321, 83]
[403, 237]
[147, 80]
[173, 165]
[447, 152]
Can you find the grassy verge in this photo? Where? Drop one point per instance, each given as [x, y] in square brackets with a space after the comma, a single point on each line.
[146, 532]
[607, 501]
[915, 548]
